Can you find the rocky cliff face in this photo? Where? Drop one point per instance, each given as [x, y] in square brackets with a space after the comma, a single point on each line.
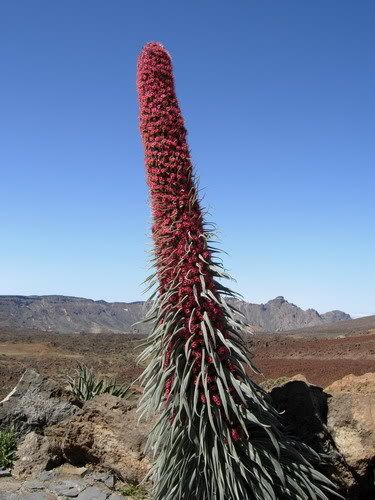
[279, 314]
[63, 314]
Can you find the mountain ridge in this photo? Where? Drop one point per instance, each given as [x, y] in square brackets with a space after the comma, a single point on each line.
[68, 314]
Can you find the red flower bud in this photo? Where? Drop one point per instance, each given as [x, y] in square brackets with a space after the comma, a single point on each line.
[216, 399]
[235, 435]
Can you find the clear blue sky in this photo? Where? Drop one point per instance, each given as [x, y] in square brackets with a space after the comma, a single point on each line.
[279, 103]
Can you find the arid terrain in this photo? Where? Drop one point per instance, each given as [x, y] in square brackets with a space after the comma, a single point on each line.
[63, 314]
[322, 354]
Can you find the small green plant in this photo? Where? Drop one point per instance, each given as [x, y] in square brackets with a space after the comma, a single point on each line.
[136, 491]
[8, 446]
[86, 385]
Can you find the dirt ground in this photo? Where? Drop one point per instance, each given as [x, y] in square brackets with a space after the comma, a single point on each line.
[57, 355]
[321, 358]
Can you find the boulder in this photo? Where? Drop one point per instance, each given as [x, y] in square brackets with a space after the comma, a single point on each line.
[304, 412]
[106, 433]
[341, 426]
[52, 429]
[304, 408]
[364, 384]
[35, 403]
[351, 421]
[35, 455]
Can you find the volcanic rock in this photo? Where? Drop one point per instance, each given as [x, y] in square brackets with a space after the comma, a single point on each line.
[105, 432]
[35, 403]
[364, 384]
[341, 426]
[351, 421]
[35, 455]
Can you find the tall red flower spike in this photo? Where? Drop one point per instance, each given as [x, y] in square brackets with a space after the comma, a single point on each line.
[217, 436]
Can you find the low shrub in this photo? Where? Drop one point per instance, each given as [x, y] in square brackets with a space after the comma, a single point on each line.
[136, 491]
[86, 385]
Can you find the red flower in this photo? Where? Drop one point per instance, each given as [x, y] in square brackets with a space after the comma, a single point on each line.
[235, 435]
[181, 250]
[216, 399]
[203, 399]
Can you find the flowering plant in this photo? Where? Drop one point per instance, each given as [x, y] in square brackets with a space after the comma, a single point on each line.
[217, 436]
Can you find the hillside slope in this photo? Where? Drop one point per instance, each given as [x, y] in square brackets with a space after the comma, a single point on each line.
[279, 315]
[63, 314]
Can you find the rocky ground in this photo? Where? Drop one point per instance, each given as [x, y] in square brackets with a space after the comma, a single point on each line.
[321, 359]
[112, 355]
[63, 482]
[94, 450]
[68, 448]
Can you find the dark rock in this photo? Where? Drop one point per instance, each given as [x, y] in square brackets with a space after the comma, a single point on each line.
[41, 495]
[47, 475]
[70, 489]
[105, 477]
[33, 485]
[35, 403]
[93, 493]
[307, 409]
[62, 483]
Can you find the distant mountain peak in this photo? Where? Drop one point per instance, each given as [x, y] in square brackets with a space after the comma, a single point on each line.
[63, 314]
[280, 315]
